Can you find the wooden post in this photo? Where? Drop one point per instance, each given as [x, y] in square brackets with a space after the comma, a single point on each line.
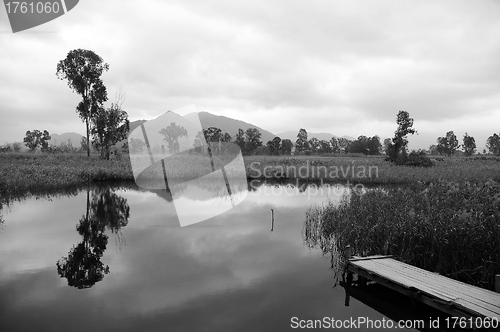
[272, 220]
[347, 297]
[497, 283]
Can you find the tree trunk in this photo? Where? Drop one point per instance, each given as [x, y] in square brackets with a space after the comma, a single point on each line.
[88, 141]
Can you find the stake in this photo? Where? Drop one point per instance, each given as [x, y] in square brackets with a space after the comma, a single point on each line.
[272, 220]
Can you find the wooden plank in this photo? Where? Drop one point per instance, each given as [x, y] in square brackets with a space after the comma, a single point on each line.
[434, 280]
[435, 303]
[443, 283]
[455, 289]
[431, 288]
[358, 258]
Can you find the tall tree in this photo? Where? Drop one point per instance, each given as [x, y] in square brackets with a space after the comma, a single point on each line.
[405, 127]
[469, 145]
[83, 69]
[171, 134]
[493, 144]
[110, 127]
[302, 144]
[252, 140]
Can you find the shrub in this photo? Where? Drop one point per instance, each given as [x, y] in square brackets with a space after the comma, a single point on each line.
[419, 159]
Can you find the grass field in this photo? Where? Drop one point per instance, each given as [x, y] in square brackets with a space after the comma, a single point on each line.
[24, 172]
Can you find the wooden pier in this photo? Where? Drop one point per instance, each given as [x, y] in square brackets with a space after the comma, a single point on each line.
[450, 296]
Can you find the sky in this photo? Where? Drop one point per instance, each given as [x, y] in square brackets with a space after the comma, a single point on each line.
[341, 67]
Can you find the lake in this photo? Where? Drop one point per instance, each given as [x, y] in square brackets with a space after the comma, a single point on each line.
[117, 259]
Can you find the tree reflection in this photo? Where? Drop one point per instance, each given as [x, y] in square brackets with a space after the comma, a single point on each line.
[83, 266]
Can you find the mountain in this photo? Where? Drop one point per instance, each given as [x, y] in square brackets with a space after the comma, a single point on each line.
[74, 138]
[292, 135]
[153, 128]
[135, 124]
[230, 126]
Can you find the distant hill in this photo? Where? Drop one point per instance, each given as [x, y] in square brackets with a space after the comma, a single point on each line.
[74, 138]
[292, 135]
[230, 126]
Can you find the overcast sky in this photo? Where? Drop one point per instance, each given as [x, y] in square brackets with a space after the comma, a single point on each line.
[342, 67]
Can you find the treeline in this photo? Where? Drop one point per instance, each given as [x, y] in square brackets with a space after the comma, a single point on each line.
[250, 143]
[449, 145]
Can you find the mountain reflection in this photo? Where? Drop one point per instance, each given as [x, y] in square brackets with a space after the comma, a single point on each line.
[83, 267]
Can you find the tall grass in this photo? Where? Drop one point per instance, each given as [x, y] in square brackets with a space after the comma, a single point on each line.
[448, 227]
[23, 173]
[382, 172]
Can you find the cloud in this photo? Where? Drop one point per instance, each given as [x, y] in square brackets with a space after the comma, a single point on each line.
[330, 66]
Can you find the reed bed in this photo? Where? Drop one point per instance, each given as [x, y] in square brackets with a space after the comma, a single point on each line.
[452, 228]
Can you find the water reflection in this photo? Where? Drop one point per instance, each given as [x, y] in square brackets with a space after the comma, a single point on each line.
[83, 267]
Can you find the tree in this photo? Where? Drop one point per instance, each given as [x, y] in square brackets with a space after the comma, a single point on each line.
[374, 145]
[136, 145]
[110, 127]
[36, 138]
[334, 142]
[171, 134]
[252, 140]
[83, 69]
[493, 144]
[325, 146]
[344, 144]
[314, 145]
[397, 150]
[44, 141]
[286, 147]
[83, 144]
[360, 145]
[387, 144]
[469, 145]
[240, 139]
[302, 144]
[213, 134]
[274, 145]
[32, 139]
[447, 144]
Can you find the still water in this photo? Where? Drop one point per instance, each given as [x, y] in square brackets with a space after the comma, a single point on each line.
[116, 259]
